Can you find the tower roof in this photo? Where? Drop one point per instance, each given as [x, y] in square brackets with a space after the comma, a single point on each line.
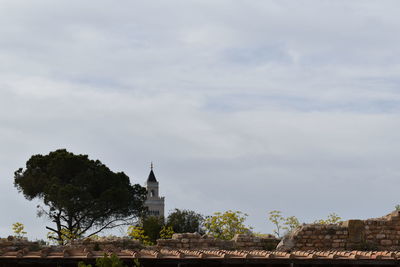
[152, 177]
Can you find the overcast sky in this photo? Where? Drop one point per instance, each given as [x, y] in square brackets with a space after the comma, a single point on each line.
[246, 105]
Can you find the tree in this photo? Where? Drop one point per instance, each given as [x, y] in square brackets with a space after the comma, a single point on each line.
[185, 221]
[226, 225]
[81, 196]
[148, 230]
[152, 226]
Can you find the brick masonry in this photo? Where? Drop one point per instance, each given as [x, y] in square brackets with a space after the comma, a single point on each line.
[196, 241]
[372, 234]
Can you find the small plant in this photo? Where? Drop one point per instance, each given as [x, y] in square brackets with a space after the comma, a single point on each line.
[291, 224]
[96, 247]
[333, 218]
[18, 229]
[283, 223]
[277, 219]
[82, 264]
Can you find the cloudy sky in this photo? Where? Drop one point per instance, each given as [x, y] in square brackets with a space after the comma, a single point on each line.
[246, 105]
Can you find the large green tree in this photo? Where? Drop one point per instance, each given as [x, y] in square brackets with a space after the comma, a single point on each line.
[81, 196]
[185, 221]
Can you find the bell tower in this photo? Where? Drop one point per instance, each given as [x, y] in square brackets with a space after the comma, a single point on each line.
[154, 202]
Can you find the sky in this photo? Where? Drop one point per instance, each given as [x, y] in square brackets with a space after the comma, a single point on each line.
[254, 105]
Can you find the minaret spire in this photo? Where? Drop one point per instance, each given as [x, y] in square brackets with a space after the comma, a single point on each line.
[152, 177]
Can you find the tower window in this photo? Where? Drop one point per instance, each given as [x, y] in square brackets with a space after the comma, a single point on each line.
[152, 194]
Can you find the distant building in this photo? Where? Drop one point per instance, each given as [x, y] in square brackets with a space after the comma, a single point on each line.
[154, 202]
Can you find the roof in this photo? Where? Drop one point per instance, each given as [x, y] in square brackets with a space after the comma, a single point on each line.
[203, 254]
[152, 177]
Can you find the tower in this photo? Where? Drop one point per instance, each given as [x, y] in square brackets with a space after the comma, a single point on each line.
[154, 202]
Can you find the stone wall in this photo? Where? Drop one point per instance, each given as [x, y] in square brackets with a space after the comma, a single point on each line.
[195, 241]
[106, 243]
[13, 244]
[372, 234]
[109, 243]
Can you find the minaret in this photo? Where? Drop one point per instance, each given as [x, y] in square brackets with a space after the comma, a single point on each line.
[154, 202]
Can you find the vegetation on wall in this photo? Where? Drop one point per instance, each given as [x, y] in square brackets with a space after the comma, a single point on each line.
[285, 225]
[332, 218]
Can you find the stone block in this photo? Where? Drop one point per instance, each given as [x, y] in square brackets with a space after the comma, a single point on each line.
[177, 236]
[380, 236]
[335, 245]
[386, 242]
[355, 230]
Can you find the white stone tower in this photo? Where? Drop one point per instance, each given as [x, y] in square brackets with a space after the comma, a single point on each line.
[154, 202]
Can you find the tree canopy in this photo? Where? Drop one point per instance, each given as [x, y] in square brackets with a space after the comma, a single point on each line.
[185, 221]
[81, 196]
[226, 225]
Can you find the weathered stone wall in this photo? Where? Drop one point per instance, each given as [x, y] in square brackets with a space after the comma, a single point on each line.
[13, 244]
[372, 234]
[195, 241]
[106, 243]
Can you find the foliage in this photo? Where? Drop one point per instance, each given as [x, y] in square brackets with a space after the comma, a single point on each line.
[82, 264]
[148, 230]
[332, 218]
[166, 232]
[112, 261]
[277, 219]
[18, 229]
[66, 236]
[283, 223]
[152, 226]
[291, 223]
[226, 225]
[137, 233]
[397, 207]
[185, 221]
[80, 195]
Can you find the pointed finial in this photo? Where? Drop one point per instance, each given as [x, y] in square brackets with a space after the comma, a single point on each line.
[151, 165]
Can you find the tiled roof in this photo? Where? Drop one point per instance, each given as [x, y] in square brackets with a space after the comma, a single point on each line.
[202, 254]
